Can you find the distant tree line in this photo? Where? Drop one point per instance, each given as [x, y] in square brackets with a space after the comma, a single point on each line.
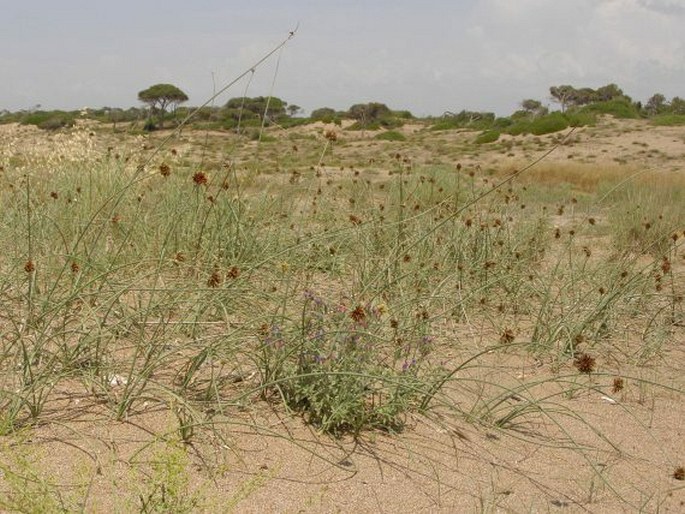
[163, 108]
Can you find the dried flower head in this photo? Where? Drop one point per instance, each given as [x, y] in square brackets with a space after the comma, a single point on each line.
[665, 265]
[355, 220]
[507, 336]
[54, 195]
[29, 267]
[164, 169]
[617, 385]
[584, 363]
[358, 314]
[200, 178]
[592, 221]
[215, 279]
[679, 473]
[330, 134]
[75, 268]
[234, 272]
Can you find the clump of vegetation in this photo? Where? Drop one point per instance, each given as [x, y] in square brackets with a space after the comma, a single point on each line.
[668, 120]
[159, 97]
[375, 115]
[489, 136]
[357, 290]
[391, 135]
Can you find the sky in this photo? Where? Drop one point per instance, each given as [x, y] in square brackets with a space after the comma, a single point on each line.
[427, 56]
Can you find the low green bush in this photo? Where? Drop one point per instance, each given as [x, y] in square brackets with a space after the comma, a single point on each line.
[619, 108]
[489, 136]
[668, 120]
[391, 135]
[49, 120]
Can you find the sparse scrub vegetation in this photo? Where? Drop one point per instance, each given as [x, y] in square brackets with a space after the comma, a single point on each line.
[328, 276]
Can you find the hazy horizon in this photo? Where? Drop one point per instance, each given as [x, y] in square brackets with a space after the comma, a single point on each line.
[426, 57]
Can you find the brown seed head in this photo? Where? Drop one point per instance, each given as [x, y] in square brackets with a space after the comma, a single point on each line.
[679, 473]
[200, 178]
[75, 268]
[164, 170]
[617, 385]
[507, 336]
[665, 265]
[584, 363]
[29, 267]
[358, 314]
[215, 279]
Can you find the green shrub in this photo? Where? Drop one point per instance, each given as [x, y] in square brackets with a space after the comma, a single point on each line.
[466, 119]
[580, 119]
[668, 120]
[50, 120]
[446, 124]
[619, 108]
[391, 135]
[519, 127]
[386, 123]
[549, 124]
[489, 136]
[336, 367]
